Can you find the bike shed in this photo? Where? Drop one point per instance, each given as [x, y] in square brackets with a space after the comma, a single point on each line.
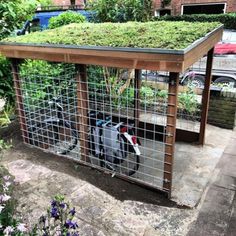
[146, 127]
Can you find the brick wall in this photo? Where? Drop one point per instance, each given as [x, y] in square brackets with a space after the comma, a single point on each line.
[176, 4]
[222, 109]
[67, 2]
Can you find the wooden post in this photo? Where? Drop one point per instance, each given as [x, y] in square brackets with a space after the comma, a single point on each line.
[170, 131]
[206, 96]
[19, 99]
[137, 86]
[82, 96]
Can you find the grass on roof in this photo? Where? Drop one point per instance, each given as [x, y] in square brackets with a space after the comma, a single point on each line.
[161, 34]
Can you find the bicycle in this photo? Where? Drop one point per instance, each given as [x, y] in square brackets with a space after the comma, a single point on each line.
[56, 132]
[114, 144]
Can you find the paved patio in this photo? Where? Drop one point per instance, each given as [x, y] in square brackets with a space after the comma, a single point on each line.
[109, 206]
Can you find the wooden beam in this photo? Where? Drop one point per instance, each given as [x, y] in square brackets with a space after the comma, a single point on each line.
[206, 96]
[170, 131]
[137, 86]
[162, 63]
[19, 99]
[82, 107]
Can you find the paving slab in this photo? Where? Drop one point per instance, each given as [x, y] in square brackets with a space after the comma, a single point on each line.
[194, 166]
[105, 205]
[217, 214]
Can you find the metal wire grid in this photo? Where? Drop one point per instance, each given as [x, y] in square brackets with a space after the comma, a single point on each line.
[190, 118]
[189, 100]
[49, 109]
[121, 107]
[59, 138]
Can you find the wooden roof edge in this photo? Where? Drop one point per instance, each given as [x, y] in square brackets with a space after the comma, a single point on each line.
[207, 36]
[193, 54]
[97, 48]
[148, 58]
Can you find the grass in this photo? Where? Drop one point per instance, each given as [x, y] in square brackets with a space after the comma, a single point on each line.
[161, 34]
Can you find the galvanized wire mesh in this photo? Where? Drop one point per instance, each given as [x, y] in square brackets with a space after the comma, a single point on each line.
[52, 105]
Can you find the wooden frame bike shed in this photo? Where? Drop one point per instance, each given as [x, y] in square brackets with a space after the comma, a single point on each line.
[173, 61]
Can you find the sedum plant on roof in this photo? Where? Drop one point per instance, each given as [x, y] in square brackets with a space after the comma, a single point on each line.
[161, 34]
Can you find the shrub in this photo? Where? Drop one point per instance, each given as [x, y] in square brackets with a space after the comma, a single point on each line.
[121, 10]
[46, 81]
[6, 81]
[13, 13]
[65, 19]
[229, 19]
[188, 101]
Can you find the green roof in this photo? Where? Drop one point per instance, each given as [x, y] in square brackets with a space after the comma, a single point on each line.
[160, 34]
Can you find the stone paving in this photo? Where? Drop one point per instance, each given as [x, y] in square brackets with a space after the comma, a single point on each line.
[217, 214]
[106, 205]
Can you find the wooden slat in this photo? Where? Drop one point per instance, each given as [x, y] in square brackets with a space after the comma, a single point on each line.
[93, 52]
[206, 96]
[137, 87]
[19, 99]
[170, 130]
[82, 96]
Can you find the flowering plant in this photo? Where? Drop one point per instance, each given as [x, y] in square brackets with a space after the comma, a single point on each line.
[58, 221]
[8, 224]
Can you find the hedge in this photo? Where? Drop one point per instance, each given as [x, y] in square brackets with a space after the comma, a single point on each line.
[228, 20]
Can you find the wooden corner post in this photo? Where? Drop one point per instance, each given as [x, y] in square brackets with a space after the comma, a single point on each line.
[19, 99]
[82, 107]
[170, 131]
[206, 96]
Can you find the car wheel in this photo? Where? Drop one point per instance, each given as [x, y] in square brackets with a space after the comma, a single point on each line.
[197, 81]
[225, 80]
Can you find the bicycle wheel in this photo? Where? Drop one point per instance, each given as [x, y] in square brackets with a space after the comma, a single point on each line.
[57, 137]
[128, 164]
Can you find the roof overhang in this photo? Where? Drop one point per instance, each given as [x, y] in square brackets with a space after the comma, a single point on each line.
[133, 58]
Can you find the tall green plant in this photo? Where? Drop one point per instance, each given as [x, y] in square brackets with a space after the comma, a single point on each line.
[13, 13]
[121, 10]
[6, 82]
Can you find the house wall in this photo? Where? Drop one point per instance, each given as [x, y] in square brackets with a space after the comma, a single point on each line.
[176, 4]
[67, 2]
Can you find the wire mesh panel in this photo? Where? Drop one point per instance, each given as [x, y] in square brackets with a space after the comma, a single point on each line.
[115, 119]
[127, 124]
[49, 102]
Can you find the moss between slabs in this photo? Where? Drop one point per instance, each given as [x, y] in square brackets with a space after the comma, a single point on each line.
[162, 34]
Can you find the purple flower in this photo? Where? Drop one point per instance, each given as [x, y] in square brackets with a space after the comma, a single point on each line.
[62, 205]
[75, 234]
[71, 225]
[54, 213]
[53, 203]
[72, 212]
